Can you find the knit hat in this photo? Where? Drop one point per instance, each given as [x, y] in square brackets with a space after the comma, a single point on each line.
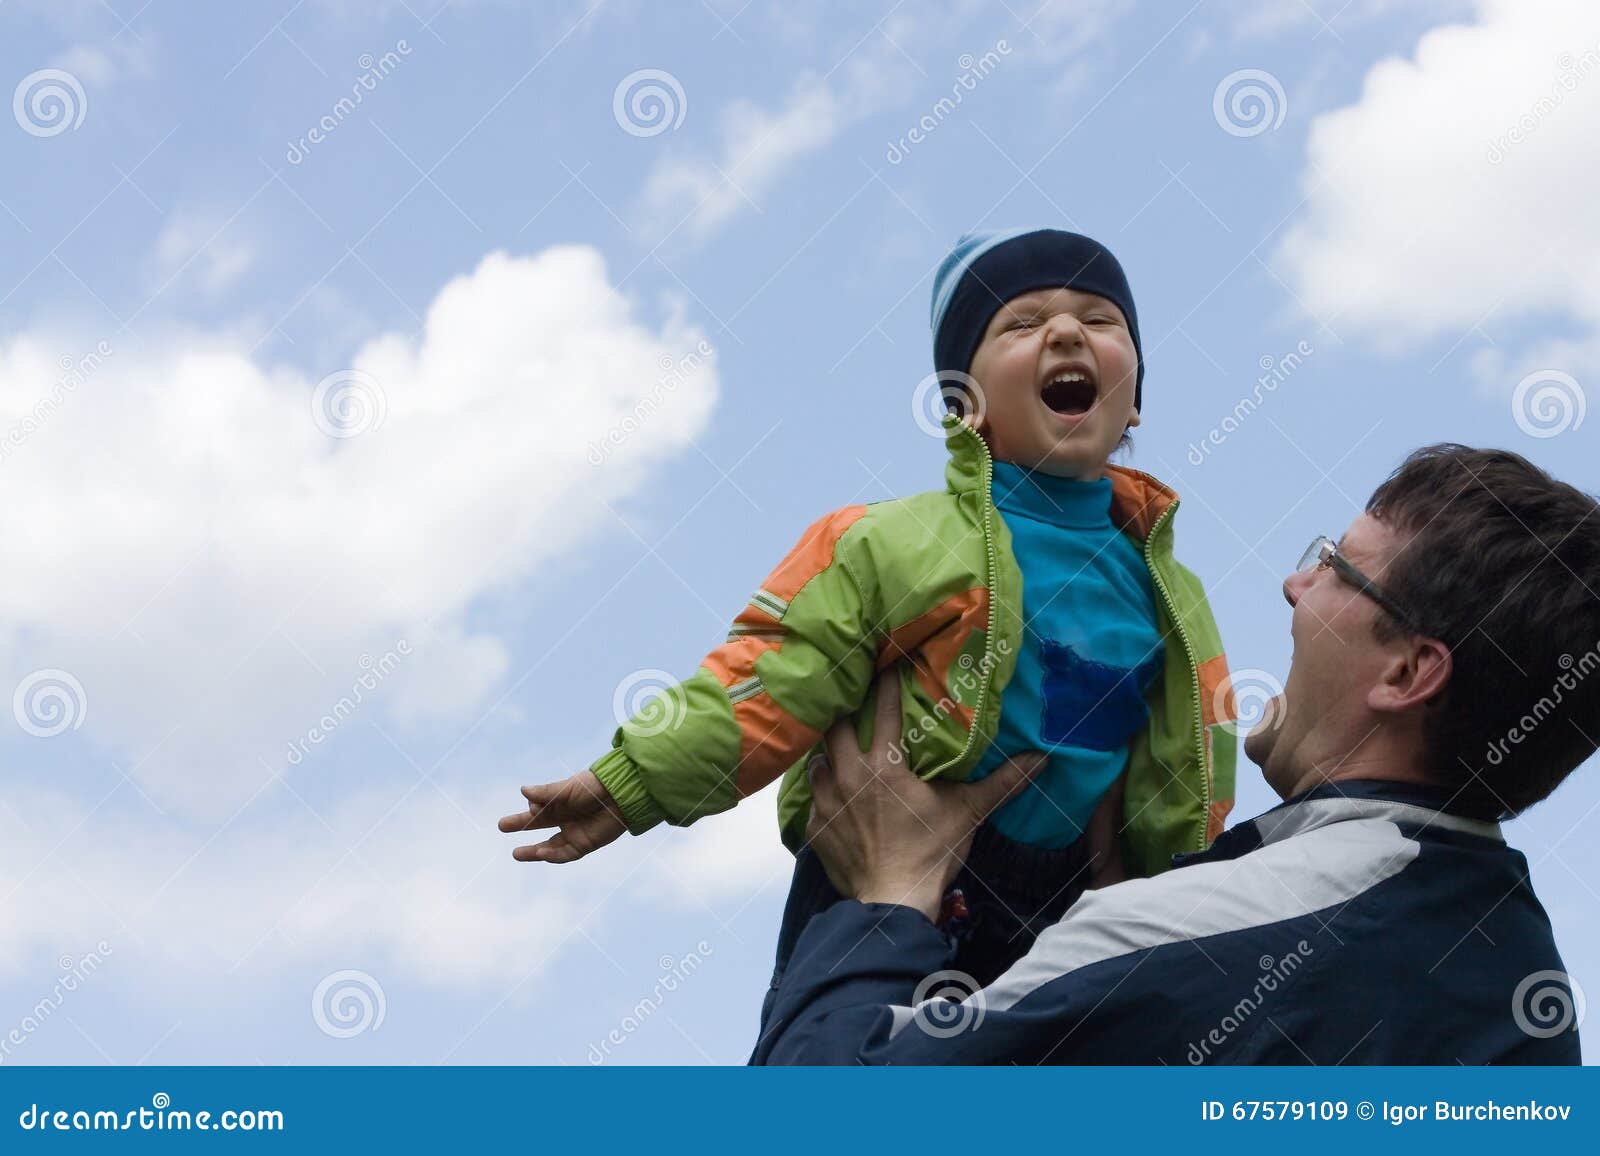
[985, 270]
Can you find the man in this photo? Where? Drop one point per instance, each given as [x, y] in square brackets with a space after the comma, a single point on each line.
[1446, 675]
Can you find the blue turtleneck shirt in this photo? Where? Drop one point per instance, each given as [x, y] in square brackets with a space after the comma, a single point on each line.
[1090, 649]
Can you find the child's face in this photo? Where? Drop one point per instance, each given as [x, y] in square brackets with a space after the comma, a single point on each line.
[1028, 415]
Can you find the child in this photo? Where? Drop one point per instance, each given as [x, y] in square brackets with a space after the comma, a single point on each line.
[1033, 604]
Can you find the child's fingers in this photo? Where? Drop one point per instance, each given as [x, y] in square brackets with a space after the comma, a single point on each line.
[541, 793]
[552, 803]
[556, 849]
[526, 821]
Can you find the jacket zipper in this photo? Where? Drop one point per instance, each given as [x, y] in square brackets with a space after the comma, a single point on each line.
[988, 633]
[1198, 730]
[1194, 673]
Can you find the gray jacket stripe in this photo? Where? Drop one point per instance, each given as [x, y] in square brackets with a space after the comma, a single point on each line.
[1275, 825]
[1320, 868]
[771, 603]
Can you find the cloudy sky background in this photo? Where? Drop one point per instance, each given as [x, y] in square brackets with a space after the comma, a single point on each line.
[349, 407]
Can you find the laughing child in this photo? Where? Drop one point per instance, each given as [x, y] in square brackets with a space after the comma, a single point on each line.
[1032, 604]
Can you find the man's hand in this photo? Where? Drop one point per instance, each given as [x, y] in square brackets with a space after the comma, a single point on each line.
[886, 836]
[580, 806]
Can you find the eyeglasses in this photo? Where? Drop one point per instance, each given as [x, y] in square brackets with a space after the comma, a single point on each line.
[1324, 552]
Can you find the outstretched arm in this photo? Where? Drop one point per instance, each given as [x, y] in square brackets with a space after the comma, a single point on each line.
[799, 657]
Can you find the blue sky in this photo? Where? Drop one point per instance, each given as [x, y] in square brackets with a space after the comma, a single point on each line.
[331, 403]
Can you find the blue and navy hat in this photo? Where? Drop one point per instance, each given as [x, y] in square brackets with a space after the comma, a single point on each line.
[985, 270]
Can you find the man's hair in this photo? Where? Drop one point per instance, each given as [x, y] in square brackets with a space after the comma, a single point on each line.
[1501, 562]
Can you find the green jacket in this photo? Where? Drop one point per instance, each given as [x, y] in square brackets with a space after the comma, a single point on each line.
[927, 585]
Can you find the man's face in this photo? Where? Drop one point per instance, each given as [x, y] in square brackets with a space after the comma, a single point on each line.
[1057, 370]
[1319, 718]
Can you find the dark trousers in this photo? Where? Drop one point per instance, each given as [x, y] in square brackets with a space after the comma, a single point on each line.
[1003, 897]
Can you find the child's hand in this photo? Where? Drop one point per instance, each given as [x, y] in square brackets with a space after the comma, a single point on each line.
[580, 806]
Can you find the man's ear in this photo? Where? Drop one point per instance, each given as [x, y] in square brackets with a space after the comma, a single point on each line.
[1414, 677]
[1133, 418]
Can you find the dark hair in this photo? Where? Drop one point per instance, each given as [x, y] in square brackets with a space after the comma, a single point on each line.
[1502, 563]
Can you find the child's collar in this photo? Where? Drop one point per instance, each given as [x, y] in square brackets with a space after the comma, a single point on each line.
[1138, 500]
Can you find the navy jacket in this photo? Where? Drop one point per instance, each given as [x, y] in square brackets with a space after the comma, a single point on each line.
[1360, 922]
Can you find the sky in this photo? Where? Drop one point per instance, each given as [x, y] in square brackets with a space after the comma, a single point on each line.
[394, 393]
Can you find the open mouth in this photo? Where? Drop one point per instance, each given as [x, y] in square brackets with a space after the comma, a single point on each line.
[1071, 393]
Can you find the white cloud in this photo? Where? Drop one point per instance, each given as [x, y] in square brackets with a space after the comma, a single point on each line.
[1265, 18]
[759, 146]
[1458, 190]
[212, 566]
[99, 65]
[211, 251]
[727, 856]
[416, 885]
[270, 891]
[1063, 28]
[893, 63]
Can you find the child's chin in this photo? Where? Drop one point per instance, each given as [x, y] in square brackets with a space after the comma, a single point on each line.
[1069, 461]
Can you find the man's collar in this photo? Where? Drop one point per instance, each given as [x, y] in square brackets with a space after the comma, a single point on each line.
[1416, 804]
